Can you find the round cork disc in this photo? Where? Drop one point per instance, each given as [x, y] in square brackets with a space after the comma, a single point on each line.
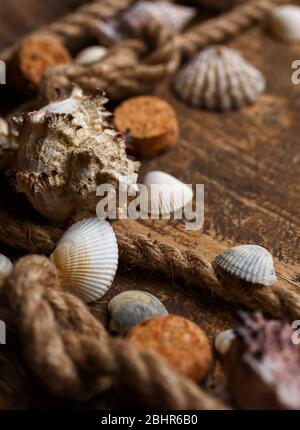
[182, 343]
[39, 52]
[152, 124]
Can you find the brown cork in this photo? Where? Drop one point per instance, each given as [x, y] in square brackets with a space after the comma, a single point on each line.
[31, 60]
[151, 122]
[181, 342]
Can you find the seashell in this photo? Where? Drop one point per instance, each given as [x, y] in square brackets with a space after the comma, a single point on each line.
[5, 264]
[131, 307]
[218, 78]
[284, 23]
[86, 258]
[224, 341]
[77, 151]
[251, 263]
[91, 55]
[174, 16]
[170, 196]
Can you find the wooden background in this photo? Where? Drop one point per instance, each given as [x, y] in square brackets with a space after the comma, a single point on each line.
[249, 162]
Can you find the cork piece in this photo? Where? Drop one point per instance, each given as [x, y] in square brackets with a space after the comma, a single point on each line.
[31, 60]
[181, 342]
[152, 124]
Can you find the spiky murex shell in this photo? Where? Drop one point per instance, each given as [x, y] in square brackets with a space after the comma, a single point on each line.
[66, 150]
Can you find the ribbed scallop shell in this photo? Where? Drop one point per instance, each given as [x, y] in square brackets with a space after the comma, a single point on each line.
[87, 258]
[218, 78]
[251, 263]
[5, 264]
[284, 23]
[131, 307]
[91, 55]
[223, 341]
[176, 196]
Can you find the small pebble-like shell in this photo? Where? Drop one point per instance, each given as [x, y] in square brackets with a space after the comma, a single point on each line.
[251, 263]
[218, 78]
[172, 196]
[131, 307]
[91, 55]
[5, 264]
[284, 23]
[223, 341]
[87, 258]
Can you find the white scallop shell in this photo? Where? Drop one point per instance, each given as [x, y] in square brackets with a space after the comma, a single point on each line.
[284, 22]
[218, 78]
[224, 341]
[91, 55]
[251, 263]
[86, 257]
[5, 264]
[165, 194]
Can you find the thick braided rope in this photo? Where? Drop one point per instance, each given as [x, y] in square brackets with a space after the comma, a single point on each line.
[226, 26]
[130, 68]
[281, 300]
[71, 353]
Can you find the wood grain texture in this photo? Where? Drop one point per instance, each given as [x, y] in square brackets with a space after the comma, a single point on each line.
[249, 163]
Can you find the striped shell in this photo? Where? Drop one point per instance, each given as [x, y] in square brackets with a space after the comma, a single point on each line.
[87, 258]
[5, 264]
[224, 341]
[131, 307]
[218, 78]
[284, 23]
[166, 194]
[174, 16]
[91, 55]
[251, 263]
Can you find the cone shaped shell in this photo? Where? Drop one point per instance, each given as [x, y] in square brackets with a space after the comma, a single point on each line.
[131, 307]
[166, 194]
[251, 263]
[224, 341]
[218, 78]
[284, 23]
[5, 264]
[87, 258]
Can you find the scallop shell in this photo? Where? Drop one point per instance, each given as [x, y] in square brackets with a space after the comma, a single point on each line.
[86, 257]
[251, 263]
[91, 55]
[224, 341]
[171, 197]
[218, 78]
[284, 23]
[5, 264]
[131, 307]
[174, 16]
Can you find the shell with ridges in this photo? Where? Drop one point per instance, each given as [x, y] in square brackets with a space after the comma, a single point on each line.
[173, 195]
[86, 257]
[284, 23]
[5, 264]
[91, 54]
[131, 307]
[224, 341]
[131, 22]
[251, 263]
[66, 150]
[218, 78]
